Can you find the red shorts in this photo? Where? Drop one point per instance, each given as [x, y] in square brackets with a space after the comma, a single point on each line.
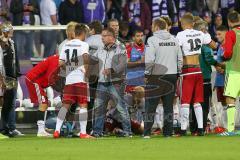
[75, 93]
[220, 96]
[36, 92]
[192, 86]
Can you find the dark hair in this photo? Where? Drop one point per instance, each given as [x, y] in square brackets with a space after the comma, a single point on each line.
[233, 17]
[111, 20]
[167, 20]
[80, 29]
[110, 31]
[123, 26]
[97, 26]
[160, 23]
[138, 30]
[222, 28]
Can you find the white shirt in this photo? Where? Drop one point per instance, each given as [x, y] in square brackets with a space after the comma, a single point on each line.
[192, 40]
[71, 54]
[47, 9]
[60, 47]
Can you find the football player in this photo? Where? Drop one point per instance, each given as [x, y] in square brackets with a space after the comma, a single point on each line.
[191, 42]
[74, 58]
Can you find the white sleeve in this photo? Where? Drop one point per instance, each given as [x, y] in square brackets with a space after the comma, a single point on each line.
[52, 8]
[179, 39]
[62, 54]
[206, 38]
[85, 48]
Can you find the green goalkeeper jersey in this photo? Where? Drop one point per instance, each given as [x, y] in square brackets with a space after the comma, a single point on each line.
[233, 65]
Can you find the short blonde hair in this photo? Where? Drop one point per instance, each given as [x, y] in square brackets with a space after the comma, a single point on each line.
[187, 18]
[71, 26]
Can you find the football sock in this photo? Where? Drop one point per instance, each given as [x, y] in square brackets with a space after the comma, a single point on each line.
[60, 118]
[159, 116]
[199, 114]
[214, 116]
[40, 121]
[224, 117]
[83, 115]
[230, 114]
[184, 116]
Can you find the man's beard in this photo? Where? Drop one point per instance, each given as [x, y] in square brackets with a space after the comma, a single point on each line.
[139, 43]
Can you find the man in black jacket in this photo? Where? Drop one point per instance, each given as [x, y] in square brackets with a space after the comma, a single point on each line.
[70, 10]
[11, 72]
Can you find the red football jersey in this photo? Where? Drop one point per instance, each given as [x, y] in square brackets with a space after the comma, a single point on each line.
[43, 73]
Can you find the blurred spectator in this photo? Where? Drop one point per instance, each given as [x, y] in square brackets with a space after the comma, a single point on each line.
[114, 9]
[94, 10]
[48, 12]
[114, 24]
[137, 13]
[135, 66]
[70, 10]
[57, 2]
[161, 8]
[217, 22]
[124, 32]
[23, 12]
[225, 6]
[4, 12]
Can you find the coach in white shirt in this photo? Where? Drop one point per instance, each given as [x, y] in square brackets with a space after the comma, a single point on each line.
[48, 12]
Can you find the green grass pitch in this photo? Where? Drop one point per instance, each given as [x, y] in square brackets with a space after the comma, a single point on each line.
[136, 148]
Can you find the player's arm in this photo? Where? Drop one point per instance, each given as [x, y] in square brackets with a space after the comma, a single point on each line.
[122, 62]
[86, 63]
[150, 56]
[230, 40]
[134, 64]
[208, 40]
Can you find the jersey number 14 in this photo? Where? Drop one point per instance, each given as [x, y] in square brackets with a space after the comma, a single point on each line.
[74, 58]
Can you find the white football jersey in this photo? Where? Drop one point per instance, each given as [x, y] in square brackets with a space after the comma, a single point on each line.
[71, 54]
[192, 40]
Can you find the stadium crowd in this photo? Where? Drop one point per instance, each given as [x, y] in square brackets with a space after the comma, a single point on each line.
[123, 65]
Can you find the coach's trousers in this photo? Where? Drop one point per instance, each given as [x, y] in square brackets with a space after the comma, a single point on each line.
[105, 92]
[157, 87]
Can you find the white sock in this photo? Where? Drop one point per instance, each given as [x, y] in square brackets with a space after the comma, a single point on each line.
[184, 116]
[41, 126]
[83, 115]
[159, 116]
[214, 116]
[224, 117]
[176, 112]
[60, 118]
[199, 114]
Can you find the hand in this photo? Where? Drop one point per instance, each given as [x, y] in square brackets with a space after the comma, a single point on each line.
[3, 13]
[106, 72]
[219, 69]
[30, 8]
[222, 65]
